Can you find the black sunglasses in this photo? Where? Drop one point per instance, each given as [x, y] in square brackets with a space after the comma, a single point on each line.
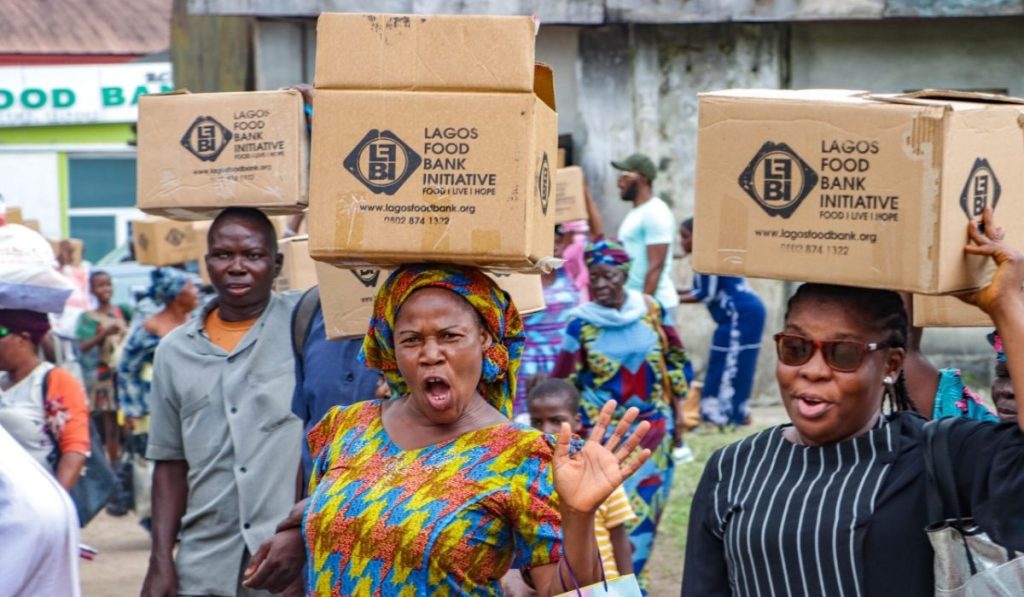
[839, 355]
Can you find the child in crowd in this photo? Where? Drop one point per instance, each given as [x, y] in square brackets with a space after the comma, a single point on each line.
[1003, 395]
[552, 402]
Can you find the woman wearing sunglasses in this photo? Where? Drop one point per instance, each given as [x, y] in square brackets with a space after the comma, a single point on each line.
[52, 425]
[834, 503]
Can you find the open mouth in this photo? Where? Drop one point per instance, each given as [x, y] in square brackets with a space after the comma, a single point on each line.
[438, 392]
[812, 407]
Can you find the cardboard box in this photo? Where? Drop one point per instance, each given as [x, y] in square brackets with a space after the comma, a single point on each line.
[570, 196]
[416, 52]
[159, 241]
[77, 248]
[346, 296]
[199, 153]
[409, 164]
[852, 188]
[297, 271]
[31, 224]
[948, 312]
[13, 216]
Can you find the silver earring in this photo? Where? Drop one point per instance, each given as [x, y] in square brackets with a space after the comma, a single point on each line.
[887, 380]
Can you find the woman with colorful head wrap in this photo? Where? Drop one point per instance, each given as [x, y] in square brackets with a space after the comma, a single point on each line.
[178, 297]
[435, 491]
[620, 347]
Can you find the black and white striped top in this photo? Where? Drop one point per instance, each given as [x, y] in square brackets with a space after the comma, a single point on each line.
[792, 518]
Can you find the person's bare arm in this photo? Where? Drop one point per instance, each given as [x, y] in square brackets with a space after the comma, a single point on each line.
[69, 468]
[170, 495]
[593, 216]
[922, 376]
[1002, 298]
[686, 296]
[656, 256]
[623, 549]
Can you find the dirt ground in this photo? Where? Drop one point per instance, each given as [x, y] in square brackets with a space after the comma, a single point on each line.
[120, 567]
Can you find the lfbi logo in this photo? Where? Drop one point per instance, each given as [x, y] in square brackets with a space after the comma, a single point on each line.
[206, 138]
[981, 190]
[367, 277]
[175, 237]
[544, 183]
[382, 162]
[778, 179]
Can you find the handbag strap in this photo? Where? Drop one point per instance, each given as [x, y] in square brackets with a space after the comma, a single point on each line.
[943, 500]
[46, 426]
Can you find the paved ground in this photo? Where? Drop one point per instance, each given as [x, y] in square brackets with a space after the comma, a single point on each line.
[119, 568]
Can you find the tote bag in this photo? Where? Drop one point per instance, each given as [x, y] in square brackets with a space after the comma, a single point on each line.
[967, 562]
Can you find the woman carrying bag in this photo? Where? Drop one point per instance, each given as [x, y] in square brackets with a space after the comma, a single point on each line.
[835, 502]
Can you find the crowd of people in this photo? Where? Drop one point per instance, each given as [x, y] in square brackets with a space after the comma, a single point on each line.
[460, 448]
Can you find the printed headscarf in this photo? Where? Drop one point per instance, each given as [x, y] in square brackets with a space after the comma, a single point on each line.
[997, 345]
[499, 315]
[165, 284]
[607, 251]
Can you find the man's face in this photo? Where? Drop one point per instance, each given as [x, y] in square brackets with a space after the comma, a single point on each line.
[241, 265]
[629, 185]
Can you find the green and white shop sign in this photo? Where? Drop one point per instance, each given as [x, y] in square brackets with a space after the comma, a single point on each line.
[48, 95]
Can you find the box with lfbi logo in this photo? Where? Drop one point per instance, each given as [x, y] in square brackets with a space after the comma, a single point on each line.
[201, 152]
[855, 188]
[434, 139]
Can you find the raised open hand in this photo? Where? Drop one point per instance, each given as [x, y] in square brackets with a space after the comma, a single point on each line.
[1005, 287]
[586, 479]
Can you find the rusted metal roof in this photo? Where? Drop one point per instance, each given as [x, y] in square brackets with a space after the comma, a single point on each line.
[85, 26]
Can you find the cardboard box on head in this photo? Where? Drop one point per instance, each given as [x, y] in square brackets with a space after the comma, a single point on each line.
[13, 215]
[199, 153]
[435, 140]
[346, 296]
[159, 241]
[847, 187]
[297, 270]
[948, 312]
[570, 196]
[77, 248]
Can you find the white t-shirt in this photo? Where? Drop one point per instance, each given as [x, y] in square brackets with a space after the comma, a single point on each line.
[38, 528]
[652, 223]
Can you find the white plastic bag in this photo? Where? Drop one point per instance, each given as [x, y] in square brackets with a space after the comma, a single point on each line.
[28, 279]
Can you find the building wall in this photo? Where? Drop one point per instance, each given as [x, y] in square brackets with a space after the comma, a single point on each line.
[34, 172]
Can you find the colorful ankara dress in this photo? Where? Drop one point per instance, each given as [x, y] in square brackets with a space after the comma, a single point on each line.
[954, 399]
[544, 333]
[617, 355]
[447, 519]
[739, 315]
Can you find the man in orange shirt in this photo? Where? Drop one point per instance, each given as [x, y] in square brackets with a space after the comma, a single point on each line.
[222, 433]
